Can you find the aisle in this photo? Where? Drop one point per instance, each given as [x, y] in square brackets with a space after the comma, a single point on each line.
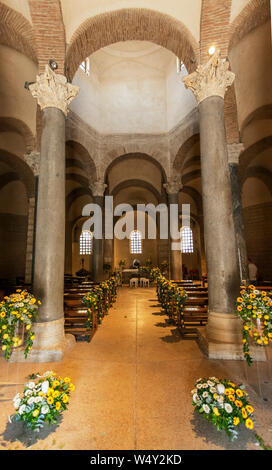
[133, 384]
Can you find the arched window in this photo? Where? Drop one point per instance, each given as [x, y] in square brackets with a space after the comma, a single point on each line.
[135, 242]
[187, 241]
[85, 66]
[86, 243]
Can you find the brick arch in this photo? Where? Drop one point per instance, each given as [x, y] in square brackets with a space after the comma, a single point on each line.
[17, 32]
[10, 124]
[255, 13]
[77, 151]
[131, 24]
[192, 175]
[264, 112]
[133, 155]
[22, 170]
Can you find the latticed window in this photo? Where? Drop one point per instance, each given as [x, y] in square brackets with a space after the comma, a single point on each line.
[136, 242]
[187, 245]
[86, 243]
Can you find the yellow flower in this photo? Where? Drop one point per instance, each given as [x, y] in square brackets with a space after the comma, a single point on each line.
[239, 308]
[50, 391]
[28, 327]
[239, 393]
[55, 383]
[252, 295]
[4, 347]
[50, 400]
[249, 408]
[5, 336]
[56, 394]
[231, 398]
[72, 387]
[251, 287]
[58, 405]
[249, 307]
[65, 398]
[66, 379]
[246, 327]
[216, 411]
[236, 421]
[3, 314]
[32, 337]
[249, 423]
[244, 413]
[240, 299]
[4, 327]
[266, 317]
[35, 413]
[238, 403]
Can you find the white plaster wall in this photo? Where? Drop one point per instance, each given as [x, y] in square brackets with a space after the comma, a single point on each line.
[236, 8]
[15, 100]
[180, 101]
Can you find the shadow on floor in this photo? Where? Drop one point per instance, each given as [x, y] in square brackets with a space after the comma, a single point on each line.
[175, 337]
[161, 324]
[159, 314]
[17, 432]
[207, 431]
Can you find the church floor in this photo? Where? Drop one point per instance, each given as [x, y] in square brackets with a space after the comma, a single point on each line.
[133, 384]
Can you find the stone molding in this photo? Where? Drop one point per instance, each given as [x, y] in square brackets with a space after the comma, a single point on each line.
[33, 161]
[234, 152]
[173, 186]
[210, 79]
[98, 188]
[53, 91]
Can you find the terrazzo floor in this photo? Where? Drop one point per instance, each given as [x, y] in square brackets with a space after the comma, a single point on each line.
[133, 384]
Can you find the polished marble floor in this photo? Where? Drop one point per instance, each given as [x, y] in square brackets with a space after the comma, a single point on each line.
[133, 384]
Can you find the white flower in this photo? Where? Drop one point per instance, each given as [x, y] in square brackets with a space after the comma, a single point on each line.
[47, 373]
[219, 399]
[210, 383]
[31, 385]
[256, 292]
[205, 385]
[206, 408]
[16, 403]
[220, 389]
[205, 394]
[209, 399]
[38, 399]
[30, 400]
[20, 304]
[195, 398]
[193, 391]
[44, 409]
[28, 393]
[228, 408]
[45, 386]
[213, 390]
[199, 386]
[215, 379]
[17, 396]
[22, 409]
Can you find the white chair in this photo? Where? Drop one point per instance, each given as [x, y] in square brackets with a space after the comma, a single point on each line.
[144, 282]
[133, 282]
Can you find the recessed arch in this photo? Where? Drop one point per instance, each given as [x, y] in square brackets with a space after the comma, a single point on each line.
[131, 24]
[182, 154]
[136, 182]
[262, 113]
[22, 170]
[251, 152]
[10, 124]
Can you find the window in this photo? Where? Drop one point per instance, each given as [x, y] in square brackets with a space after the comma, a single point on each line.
[85, 66]
[136, 242]
[187, 244]
[86, 243]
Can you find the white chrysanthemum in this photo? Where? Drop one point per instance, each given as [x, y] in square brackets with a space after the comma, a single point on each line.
[20, 304]
[45, 409]
[38, 399]
[228, 408]
[221, 389]
[22, 409]
[205, 385]
[205, 394]
[28, 392]
[210, 383]
[199, 386]
[31, 400]
[206, 409]
[31, 385]
[220, 399]
[213, 390]
[256, 292]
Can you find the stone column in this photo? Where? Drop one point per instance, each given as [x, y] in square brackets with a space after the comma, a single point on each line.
[33, 161]
[98, 189]
[172, 189]
[53, 94]
[209, 84]
[234, 151]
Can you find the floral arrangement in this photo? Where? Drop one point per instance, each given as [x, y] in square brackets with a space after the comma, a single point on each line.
[43, 401]
[99, 299]
[254, 307]
[155, 273]
[224, 404]
[17, 313]
[172, 298]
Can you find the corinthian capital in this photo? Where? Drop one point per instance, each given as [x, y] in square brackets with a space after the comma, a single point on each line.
[53, 91]
[210, 79]
[173, 186]
[98, 188]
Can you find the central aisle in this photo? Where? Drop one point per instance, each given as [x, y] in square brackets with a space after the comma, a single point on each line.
[133, 384]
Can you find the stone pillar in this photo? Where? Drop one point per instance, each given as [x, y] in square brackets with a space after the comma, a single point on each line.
[33, 161]
[223, 333]
[68, 246]
[234, 151]
[53, 94]
[98, 189]
[172, 189]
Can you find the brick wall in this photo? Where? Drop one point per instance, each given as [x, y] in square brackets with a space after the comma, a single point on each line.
[258, 230]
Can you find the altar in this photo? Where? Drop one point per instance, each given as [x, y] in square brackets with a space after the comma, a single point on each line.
[127, 274]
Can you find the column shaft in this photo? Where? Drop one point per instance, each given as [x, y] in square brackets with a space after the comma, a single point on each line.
[175, 255]
[97, 257]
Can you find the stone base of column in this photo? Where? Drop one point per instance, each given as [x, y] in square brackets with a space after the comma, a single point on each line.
[50, 343]
[222, 339]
